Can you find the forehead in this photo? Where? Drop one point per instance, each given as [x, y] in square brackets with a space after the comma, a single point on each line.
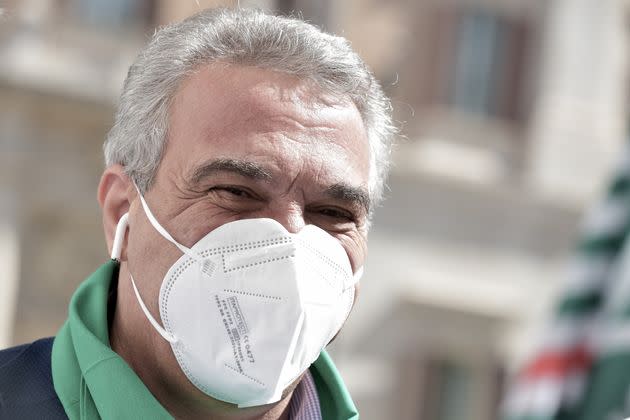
[270, 117]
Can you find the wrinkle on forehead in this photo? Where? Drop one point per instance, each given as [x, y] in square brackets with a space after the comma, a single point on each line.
[275, 95]
[225, 104]
[273, 106]
[304, 93]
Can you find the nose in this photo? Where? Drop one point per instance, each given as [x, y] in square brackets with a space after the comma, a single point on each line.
[290, 216]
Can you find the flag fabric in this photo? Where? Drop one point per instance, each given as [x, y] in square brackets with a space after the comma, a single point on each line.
[581, 370]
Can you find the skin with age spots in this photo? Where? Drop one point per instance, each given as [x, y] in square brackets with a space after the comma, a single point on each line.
[243, 143]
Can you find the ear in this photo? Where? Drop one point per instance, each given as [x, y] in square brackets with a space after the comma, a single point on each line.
[114, 196]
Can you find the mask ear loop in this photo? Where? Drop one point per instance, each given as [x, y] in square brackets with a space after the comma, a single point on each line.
[165, 334]
[356, 277]
[119, 238]
[157, 226]
[206, 265]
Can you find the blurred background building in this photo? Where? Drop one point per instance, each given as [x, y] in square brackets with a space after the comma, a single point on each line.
[513, 113]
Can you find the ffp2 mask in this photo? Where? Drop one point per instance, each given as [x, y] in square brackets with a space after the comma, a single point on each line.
[250, 306]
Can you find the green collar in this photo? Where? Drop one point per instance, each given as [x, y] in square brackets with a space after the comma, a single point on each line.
[93, 382]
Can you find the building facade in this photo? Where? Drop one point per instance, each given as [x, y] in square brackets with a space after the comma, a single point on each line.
[513, 113]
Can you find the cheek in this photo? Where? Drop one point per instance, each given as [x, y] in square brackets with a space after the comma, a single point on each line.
[355, 245]
[197, 221]
[150, 254]
[357, 289]
[149, 257]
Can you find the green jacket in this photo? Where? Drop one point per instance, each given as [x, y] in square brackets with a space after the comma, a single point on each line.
[93, 382]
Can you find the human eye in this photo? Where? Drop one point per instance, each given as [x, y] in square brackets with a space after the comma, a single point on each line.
[337, 214]
[232, 192]
[333, 218]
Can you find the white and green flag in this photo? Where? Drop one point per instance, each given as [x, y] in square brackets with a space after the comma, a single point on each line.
[582, 368]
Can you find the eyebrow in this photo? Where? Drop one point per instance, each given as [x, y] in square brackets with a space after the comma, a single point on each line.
[240, 167]
[356, 195]
[339, 191]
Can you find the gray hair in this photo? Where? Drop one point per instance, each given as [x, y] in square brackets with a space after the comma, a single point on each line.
[244, 37]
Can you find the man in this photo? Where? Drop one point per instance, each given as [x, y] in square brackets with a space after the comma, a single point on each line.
[246, 157]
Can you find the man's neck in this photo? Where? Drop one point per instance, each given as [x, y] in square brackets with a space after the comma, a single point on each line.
[152, 360]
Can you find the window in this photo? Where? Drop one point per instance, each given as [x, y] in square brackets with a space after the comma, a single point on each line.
[476, 61]
[113, 13]
[488, 65]
[450, 391]
[437, 385]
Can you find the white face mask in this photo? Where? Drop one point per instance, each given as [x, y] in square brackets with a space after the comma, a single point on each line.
[250, 306]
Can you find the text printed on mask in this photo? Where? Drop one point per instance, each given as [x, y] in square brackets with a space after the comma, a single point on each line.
[236, 329]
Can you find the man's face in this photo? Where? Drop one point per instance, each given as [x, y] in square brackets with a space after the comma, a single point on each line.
[250, 143]
[247, 143]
